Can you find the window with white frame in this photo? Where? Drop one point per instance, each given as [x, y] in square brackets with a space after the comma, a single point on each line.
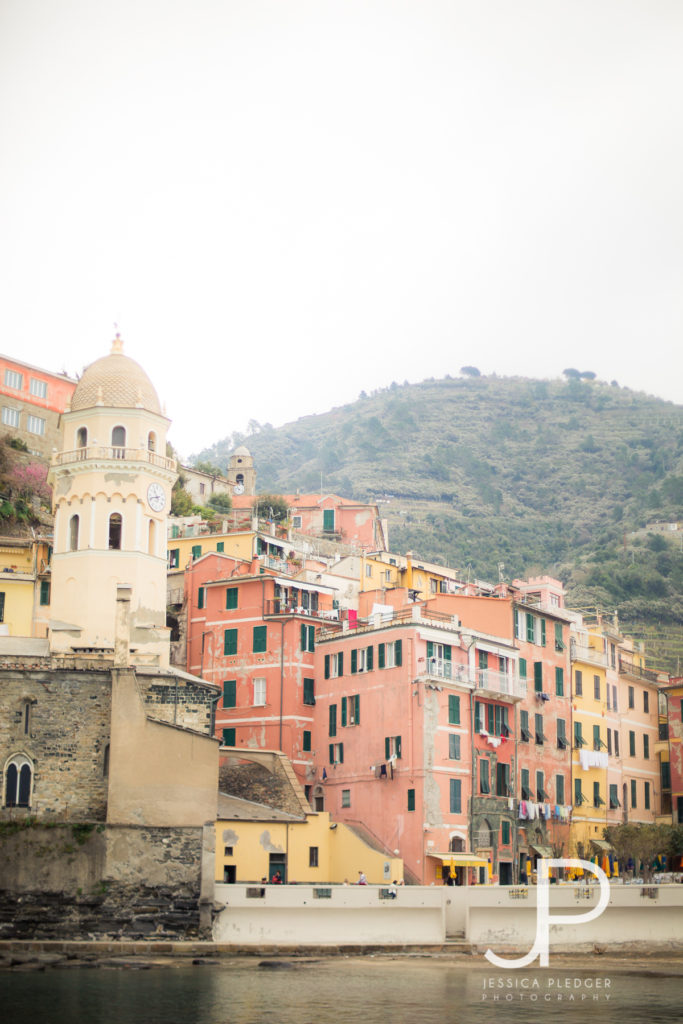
[336, 664]
[296, 522]
[259, 692]
[10, 417]
[14, 380]
[38, 387]
[35, 425]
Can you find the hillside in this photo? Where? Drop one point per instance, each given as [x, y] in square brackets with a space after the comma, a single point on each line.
[541, 476]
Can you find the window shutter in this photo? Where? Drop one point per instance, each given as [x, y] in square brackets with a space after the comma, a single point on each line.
[200, 597]
[230, 693]
[228, 737]
[331, 753]
[398, 746]
[230, 641]
[522, 668]
[453, 709]
[343, 712]
[311, 638]
[411, 799]
[307, 740]
[303, 637]
[559, 681]
[341, 663]
[430, 649]
[231, 597]
[356, 701]
[530, 628]
[380, 656]
[538, 676]
[354, 661]
[369, 659]
[327, 666]
[341, 753]
[542, 632]
[398, 652]
[387, 747]
[447, 652]
[515, 614]
[260, 644]
[333, 720]
[220, 546]
[490, 723]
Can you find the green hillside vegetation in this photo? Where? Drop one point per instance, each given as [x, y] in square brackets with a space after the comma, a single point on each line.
[557, 477]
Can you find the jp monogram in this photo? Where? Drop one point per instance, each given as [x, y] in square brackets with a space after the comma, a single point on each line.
[541, 945]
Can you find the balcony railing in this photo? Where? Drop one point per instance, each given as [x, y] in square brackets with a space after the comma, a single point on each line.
[280, 607]
[633, 669]
[578, 652]
[108, 452]
[499, 683]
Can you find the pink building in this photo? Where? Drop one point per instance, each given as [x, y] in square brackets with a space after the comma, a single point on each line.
[252, 632]
[398, 702]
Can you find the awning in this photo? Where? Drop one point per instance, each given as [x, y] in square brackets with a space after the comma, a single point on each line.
[603, 846]
[300, 585]
[542, 851]
[460, 860]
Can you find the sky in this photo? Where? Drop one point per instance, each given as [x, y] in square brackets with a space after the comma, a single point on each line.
[282, 203]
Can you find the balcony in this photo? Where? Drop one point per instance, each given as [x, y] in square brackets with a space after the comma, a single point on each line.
[107, 453]
[578, 652]
[498, 685]
[281, 607]
[633, 670]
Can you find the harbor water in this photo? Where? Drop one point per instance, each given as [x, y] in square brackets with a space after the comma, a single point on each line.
[353, 990]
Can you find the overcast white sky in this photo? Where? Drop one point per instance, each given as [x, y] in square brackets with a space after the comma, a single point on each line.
[282, 203]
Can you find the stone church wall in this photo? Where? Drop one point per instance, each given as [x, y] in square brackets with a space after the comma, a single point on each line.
[99, 881]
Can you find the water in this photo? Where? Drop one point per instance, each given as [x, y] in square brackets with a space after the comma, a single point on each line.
[355, 991]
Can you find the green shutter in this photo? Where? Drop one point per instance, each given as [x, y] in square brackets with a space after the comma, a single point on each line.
[387, 747]
[455, 795]
[447, 652]
[200, 597]
[328, 519]
[515, 615]
[231, 597]
[356, 708]
[559, 681]
[309, 691]
[411, 799]
[303, 637]
[380, 655]
[44, 591]
[354, 661]
[398, 649]
[333, 720]
[538, 676]
[453, 709]
[220, 547]
[343, 713]
[369, 658]
[529, 628]
[228, 737]
[327, 666]
[398, 746]
[230, 693]
[542, 632]
[307, 740]
[522, 668]
[505, 833]
[341, 753]
[197, 551]
[331, 753]
[260, 639]
[430, 649]
[311, 638]
[341, 663]
[230, 641]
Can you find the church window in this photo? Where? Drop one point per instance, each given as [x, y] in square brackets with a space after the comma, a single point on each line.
[105, 762]
[118, 442]
[73, 533]
[152, 538]
[82, 437]
[18, 777]
[152, 441]
[115, 527]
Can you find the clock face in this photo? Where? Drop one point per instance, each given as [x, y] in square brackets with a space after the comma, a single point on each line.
[238, 488]
[156, 497]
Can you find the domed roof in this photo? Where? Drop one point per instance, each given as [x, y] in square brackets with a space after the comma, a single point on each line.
[115, 381]
[242, 452]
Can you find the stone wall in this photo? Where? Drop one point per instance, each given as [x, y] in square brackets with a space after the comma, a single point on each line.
[100, 881]
[65, 738]
[179, 701]
[255, 782]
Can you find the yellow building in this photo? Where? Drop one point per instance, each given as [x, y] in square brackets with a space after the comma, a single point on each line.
[24, 586]
[590, 758]
[254, 841]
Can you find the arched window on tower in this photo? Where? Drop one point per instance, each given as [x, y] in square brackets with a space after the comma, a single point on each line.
[115, 529]
[152, 441]
[73, 533]
[82, 440]
[239, 479]
[118, 442]
[18, 779]
[152, 538]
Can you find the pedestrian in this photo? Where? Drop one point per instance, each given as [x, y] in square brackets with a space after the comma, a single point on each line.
[362, 880]
[392, 890]
[277, 878]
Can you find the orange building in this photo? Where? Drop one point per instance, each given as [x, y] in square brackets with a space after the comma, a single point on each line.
[31, 401]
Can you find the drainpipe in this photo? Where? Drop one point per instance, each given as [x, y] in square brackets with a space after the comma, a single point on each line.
[282, 680]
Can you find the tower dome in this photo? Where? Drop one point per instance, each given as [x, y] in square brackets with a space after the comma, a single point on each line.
[115, 381]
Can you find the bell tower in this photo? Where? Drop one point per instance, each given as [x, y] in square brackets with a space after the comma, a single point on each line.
[111, 493]
[241, 474]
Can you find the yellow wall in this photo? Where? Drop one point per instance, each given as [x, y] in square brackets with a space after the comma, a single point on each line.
[588, 822]
[341, 853]
[236, 545]
[18, 604]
